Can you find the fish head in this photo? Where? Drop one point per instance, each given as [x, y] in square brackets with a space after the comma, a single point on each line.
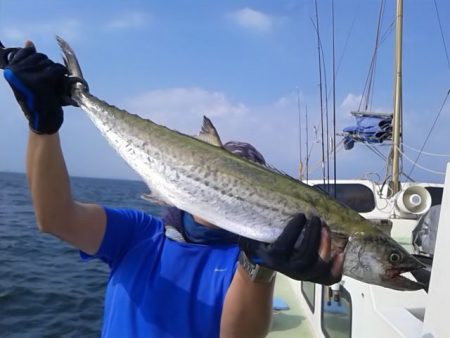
[380, 260]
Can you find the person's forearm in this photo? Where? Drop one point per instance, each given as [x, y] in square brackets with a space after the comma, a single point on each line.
[247, 310]
[36, 81]
[48, 181]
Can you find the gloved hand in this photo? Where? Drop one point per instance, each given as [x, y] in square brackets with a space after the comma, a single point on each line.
[39, 87]
[301, 252]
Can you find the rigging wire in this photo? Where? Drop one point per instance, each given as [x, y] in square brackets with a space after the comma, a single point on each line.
[442, 33]
[370, 91]
[407, 177]
[366, 98]
[420, 166]
[375, 151]
[424, 152]
[429, 134]
[446, 97]
[387, 32]
[347, 38]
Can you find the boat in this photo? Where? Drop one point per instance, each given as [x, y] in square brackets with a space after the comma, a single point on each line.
[355, 309]
[352, 308]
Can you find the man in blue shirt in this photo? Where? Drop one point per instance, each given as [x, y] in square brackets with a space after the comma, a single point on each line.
[176, 277]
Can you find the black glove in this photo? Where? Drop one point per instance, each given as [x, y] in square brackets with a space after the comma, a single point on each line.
[39, 86]
[295, 253]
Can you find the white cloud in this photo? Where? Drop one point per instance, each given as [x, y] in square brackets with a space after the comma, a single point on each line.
[350, 103]
[192, 100]
[290, 100]
[183, 108]
[129, 20]
[13, 34]
[70, 29]
[251, 19]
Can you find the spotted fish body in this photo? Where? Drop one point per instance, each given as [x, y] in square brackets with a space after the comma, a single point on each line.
[227, 190]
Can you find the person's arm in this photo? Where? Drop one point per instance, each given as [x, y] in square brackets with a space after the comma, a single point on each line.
[38, 85]
[82, 225]
[302, 255]
[247, 311]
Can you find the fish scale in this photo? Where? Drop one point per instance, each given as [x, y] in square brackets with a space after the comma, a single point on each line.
[237, 194]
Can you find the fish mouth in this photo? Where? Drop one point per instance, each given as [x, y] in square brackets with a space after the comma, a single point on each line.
[393, 277]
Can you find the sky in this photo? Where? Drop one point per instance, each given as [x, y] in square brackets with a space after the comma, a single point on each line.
[251, 66]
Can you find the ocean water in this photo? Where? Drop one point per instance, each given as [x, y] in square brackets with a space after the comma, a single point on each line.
[45, 288]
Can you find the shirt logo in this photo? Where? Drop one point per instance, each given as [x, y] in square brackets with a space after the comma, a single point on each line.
[220, 269]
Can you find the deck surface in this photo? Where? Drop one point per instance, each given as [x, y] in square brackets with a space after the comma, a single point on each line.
[292, 322]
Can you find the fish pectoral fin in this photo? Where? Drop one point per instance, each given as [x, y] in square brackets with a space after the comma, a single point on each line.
[156, 200]
[209, 134]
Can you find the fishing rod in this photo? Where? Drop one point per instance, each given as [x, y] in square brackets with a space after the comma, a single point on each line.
[307, 144]
[300, 135]
[320, 90]
[334, 102]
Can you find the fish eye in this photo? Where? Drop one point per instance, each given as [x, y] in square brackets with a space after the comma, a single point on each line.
[395, 257]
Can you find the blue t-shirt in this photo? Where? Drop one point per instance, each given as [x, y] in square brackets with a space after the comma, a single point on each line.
[159, 287]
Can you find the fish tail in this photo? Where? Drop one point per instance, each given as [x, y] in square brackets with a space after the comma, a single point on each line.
[70, 59]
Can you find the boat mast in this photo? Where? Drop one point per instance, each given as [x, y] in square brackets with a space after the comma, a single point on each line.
[397, 133]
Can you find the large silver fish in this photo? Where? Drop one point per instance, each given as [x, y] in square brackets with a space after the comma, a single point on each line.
[236, 194]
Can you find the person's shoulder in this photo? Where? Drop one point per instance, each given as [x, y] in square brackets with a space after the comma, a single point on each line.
[128, 215]
[126, 212]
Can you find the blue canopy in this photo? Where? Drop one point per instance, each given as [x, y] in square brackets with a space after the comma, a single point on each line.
[370, 128]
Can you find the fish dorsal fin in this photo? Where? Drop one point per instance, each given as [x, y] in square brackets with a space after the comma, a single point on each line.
[209, 134]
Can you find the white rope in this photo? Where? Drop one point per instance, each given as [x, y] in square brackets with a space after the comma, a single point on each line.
[425, 153]
[422, 167]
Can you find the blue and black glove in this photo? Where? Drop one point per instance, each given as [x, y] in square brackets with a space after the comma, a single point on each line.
[39, 85]
[295, 253]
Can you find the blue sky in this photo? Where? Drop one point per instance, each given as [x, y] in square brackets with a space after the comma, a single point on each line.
[242, 63]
